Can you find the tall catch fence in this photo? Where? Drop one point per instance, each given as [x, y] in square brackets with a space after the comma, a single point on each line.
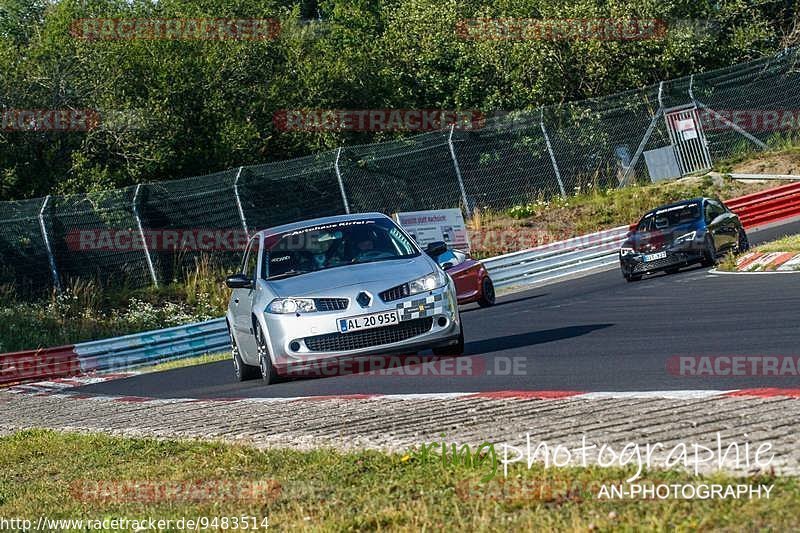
[148, 234]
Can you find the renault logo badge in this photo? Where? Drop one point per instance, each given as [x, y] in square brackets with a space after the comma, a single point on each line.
[364, 299]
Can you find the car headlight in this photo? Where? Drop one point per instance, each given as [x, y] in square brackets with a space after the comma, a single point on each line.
[625, 250]
[685, 238]
[283, 306]
[432, 281]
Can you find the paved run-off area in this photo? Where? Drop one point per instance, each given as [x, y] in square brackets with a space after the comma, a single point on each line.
[398, 425]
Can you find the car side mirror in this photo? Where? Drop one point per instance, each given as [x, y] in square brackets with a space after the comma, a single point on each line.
[436, 248]
[239, 281]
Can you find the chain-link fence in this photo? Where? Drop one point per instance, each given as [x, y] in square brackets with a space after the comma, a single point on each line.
[148, 234]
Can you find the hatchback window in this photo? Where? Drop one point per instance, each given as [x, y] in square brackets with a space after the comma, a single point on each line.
[337, 244]
[713, 210]
[669, 217]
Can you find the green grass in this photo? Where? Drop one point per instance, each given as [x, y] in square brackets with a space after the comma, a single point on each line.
[41, 473]
[778, 145]
[787, 243]
[191, 361]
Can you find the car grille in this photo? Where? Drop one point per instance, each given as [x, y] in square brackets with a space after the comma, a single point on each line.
[395, 293]
[670, 260]
[330, 304]
[340, 342]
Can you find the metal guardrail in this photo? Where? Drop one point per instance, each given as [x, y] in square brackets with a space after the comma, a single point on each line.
[559, 259]
[151, 347]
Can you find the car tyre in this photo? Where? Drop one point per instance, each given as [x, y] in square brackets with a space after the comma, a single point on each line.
[268, 371]
[709, 253]
[487, 298]
[242, 371]
[744, 243]
[630, 278]
[453, 349]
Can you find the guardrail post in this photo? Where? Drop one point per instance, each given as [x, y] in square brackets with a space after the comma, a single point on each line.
[50, 257]
[458, 171]
[141, 234]
[341, 183]
[239, 201]
[550, 151]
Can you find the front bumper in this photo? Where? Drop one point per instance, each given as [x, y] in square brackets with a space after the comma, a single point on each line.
[427, 320]
[676, 256]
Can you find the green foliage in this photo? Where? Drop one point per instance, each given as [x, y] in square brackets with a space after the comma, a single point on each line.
[190, 108]
[41, 473]
[87, 311]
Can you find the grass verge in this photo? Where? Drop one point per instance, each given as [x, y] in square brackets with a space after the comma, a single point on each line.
[69, 476]
[787, 243]
[190, 361]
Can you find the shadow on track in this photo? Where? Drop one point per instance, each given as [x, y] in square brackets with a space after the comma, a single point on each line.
[476, 307]
[530, 338]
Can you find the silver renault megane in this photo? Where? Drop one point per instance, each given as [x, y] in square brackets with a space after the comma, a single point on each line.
[350, 285]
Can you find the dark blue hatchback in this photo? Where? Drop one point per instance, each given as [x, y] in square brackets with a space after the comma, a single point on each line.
[681, 234]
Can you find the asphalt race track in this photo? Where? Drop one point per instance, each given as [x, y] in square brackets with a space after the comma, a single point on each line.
[596, 333]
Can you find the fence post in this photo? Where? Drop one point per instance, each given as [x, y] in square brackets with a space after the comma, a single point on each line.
[341, 183]
[632, 166]
[458, 171]
[642, 144]
[50, 258]
[239, 202]
[141, 234]
[550, 151]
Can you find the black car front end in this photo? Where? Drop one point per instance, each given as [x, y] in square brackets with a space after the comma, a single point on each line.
[654, 251]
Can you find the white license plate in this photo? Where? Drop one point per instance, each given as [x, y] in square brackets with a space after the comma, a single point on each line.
[374, 320]
[654, 257]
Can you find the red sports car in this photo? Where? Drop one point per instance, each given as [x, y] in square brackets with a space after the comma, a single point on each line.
[473, 283]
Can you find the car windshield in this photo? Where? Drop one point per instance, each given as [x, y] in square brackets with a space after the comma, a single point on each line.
[669, 217]
[333, 245]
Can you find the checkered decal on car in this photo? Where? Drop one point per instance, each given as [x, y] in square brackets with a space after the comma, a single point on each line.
[421, 308]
